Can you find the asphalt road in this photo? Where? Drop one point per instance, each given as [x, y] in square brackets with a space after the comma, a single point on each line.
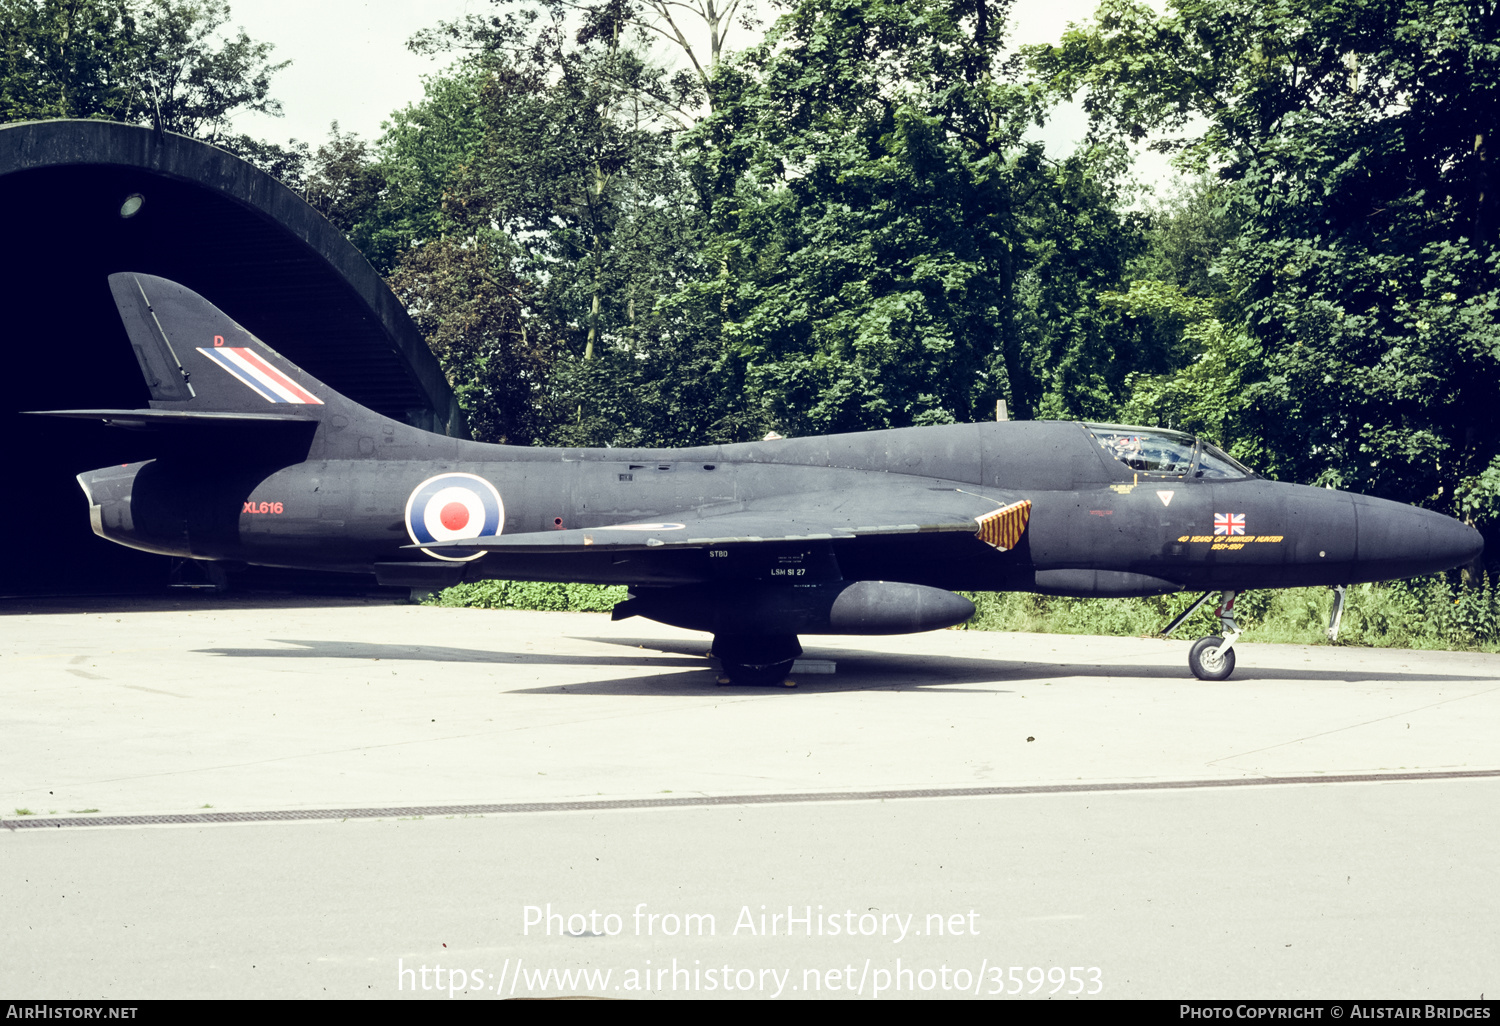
[1322, 825]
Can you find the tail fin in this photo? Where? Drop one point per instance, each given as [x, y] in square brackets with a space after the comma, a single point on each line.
[197, 360]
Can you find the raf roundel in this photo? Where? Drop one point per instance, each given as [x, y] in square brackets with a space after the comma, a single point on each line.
[452, 507]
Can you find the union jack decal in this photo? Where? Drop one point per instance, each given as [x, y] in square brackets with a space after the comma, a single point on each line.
[1229, 523]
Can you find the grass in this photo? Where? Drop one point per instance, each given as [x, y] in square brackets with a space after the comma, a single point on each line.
[1427, 613]
[1435, 612]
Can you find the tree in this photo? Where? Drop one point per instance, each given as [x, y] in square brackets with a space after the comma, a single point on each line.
[68, 59]
[891, 248]
[1355, 134]
[648, 21]
[287, 164]
[423, 159]
[544, 150]
[855, 235]
[571, 140]
[344, 184]
[469, 307]
[161, 62]
[193, 78]
[1182, 303]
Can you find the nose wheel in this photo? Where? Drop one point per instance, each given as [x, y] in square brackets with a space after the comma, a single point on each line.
[1211, 659]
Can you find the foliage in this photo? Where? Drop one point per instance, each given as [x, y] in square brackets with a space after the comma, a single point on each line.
[468, 305]
[551, 154]
[638, 24]
[1353, 136]
[425, 151]
[577, 598]
[855, 234]
[287, 164]
[64, 58]
[1185, 305]
[1479, 496]
[343, 183]
[1076, 355]
[162, 62]
[193, 78]
[1431, 612]
[890, 250]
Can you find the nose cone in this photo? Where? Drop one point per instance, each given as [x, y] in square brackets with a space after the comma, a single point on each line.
[1396, 540]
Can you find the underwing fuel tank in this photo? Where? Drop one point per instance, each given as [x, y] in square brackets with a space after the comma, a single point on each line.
[841, 607]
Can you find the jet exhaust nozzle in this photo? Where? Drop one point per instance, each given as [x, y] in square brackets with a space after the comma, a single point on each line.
[121, 513]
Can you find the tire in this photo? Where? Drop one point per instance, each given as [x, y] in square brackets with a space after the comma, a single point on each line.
[757, 660]
[767, 675]
[1206, 663]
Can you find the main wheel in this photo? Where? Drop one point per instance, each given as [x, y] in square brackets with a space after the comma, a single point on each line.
[761, 660]
[1207, 662]
[765, 675]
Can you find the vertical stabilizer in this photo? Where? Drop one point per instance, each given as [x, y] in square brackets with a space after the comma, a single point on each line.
[196, 359]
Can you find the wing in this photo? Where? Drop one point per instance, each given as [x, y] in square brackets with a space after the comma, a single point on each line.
[689, 533]
[798, 518]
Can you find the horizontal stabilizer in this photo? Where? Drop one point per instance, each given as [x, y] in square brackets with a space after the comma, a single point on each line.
[169, 418]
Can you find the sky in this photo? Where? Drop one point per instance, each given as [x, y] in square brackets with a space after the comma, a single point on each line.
[350, 63]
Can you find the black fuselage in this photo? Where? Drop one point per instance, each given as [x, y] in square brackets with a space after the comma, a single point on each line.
[1097, 527]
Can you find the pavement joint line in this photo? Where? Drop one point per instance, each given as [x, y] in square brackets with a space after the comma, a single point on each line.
[1355, 726]
[506, 808]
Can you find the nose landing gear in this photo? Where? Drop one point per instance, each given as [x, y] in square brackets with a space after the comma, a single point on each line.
[1336, 614]
[1212, 658]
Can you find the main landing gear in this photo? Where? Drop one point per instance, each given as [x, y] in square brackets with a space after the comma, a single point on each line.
[761, 660]
[1212, 658]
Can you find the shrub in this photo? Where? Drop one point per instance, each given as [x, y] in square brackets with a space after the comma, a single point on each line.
[1426, 612]
[577, 598]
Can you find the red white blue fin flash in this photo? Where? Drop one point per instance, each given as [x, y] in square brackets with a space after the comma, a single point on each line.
[269, 383]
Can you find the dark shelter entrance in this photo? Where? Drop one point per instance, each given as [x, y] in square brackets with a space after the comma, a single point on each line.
[84, 199]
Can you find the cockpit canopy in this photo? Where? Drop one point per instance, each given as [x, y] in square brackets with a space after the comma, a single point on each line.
[1163, 453]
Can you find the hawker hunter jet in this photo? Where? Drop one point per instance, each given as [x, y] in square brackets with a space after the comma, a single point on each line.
[755, 543]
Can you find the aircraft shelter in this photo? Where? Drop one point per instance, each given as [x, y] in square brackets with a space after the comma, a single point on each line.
[83, 199]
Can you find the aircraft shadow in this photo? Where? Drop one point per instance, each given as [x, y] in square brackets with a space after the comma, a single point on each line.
[375, 652]
[861, 670]
[696, 673]
[181, 602]
[856, 670]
